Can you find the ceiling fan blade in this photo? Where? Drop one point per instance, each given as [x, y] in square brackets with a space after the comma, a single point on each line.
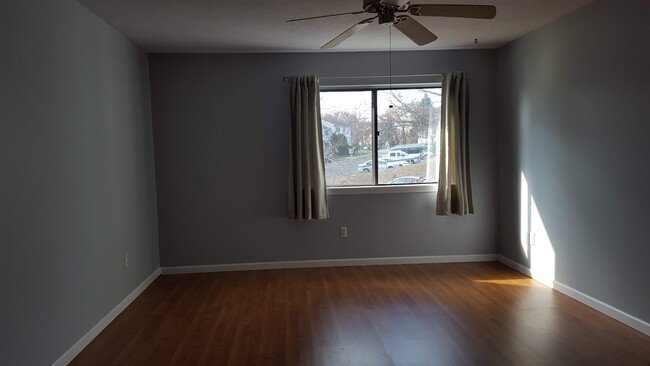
[326, 16]
[456, 11]
[349, 32]
[414, 30]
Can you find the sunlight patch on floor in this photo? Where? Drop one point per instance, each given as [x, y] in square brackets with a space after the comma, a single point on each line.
[524, 282]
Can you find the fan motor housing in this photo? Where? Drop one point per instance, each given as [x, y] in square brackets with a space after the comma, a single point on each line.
[385, 11]
[382, 6]
[371, 6]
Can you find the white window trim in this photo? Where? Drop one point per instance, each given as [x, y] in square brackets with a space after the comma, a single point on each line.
[382, 189]
[373, 83]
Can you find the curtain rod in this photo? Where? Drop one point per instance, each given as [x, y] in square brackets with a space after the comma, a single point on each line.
[369, 76]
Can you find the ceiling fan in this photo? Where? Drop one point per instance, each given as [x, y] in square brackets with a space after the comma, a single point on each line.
[395, 14]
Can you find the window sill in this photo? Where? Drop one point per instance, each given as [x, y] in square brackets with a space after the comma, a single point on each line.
[406, 188]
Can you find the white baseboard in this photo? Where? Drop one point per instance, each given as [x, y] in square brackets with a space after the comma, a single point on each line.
[593, 303]
[70, 354]
[604, 308]
[516, 266]
[329, 263]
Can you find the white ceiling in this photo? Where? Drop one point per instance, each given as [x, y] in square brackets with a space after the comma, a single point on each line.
[260, 25]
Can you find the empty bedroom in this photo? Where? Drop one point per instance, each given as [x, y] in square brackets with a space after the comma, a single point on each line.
[365, 182]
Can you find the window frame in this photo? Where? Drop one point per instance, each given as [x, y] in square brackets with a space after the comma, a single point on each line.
[378, 188]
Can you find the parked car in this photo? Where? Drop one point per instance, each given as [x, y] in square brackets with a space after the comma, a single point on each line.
[365, 167]
[389, 164]
[408, 180]
[401, 155]
[384, 163]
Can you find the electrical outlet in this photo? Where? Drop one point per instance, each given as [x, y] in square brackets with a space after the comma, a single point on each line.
[343, 232]
[126, 260]
[531, 239]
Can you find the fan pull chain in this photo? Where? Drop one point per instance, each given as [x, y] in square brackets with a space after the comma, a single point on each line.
[390, 59]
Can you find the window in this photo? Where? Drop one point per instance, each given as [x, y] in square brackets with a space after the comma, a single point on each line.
[378, 137]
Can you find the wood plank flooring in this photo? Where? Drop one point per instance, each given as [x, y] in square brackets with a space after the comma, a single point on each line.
[428, 314]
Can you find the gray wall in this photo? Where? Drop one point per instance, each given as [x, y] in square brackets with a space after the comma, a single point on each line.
[574, 118]
[221, 145]
[77, 185]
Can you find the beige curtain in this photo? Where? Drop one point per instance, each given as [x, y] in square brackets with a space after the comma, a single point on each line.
[454, 183]
[307, 187]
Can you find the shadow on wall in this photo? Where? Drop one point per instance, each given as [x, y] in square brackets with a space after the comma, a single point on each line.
[535, 242]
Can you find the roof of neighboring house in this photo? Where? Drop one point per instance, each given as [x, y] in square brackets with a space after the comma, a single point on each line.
[335, 123]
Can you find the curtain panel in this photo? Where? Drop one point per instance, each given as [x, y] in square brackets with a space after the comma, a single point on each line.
[307, 186]
[454, 182]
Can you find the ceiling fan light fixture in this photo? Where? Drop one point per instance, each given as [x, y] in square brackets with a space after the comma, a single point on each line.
[386, 18]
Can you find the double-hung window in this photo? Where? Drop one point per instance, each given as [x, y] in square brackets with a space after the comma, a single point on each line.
[380, 135]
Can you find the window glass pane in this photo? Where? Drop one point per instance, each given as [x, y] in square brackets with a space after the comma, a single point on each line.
[408, 132]
[347, 137]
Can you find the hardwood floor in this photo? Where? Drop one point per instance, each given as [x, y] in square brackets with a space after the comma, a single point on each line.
[429, 314]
